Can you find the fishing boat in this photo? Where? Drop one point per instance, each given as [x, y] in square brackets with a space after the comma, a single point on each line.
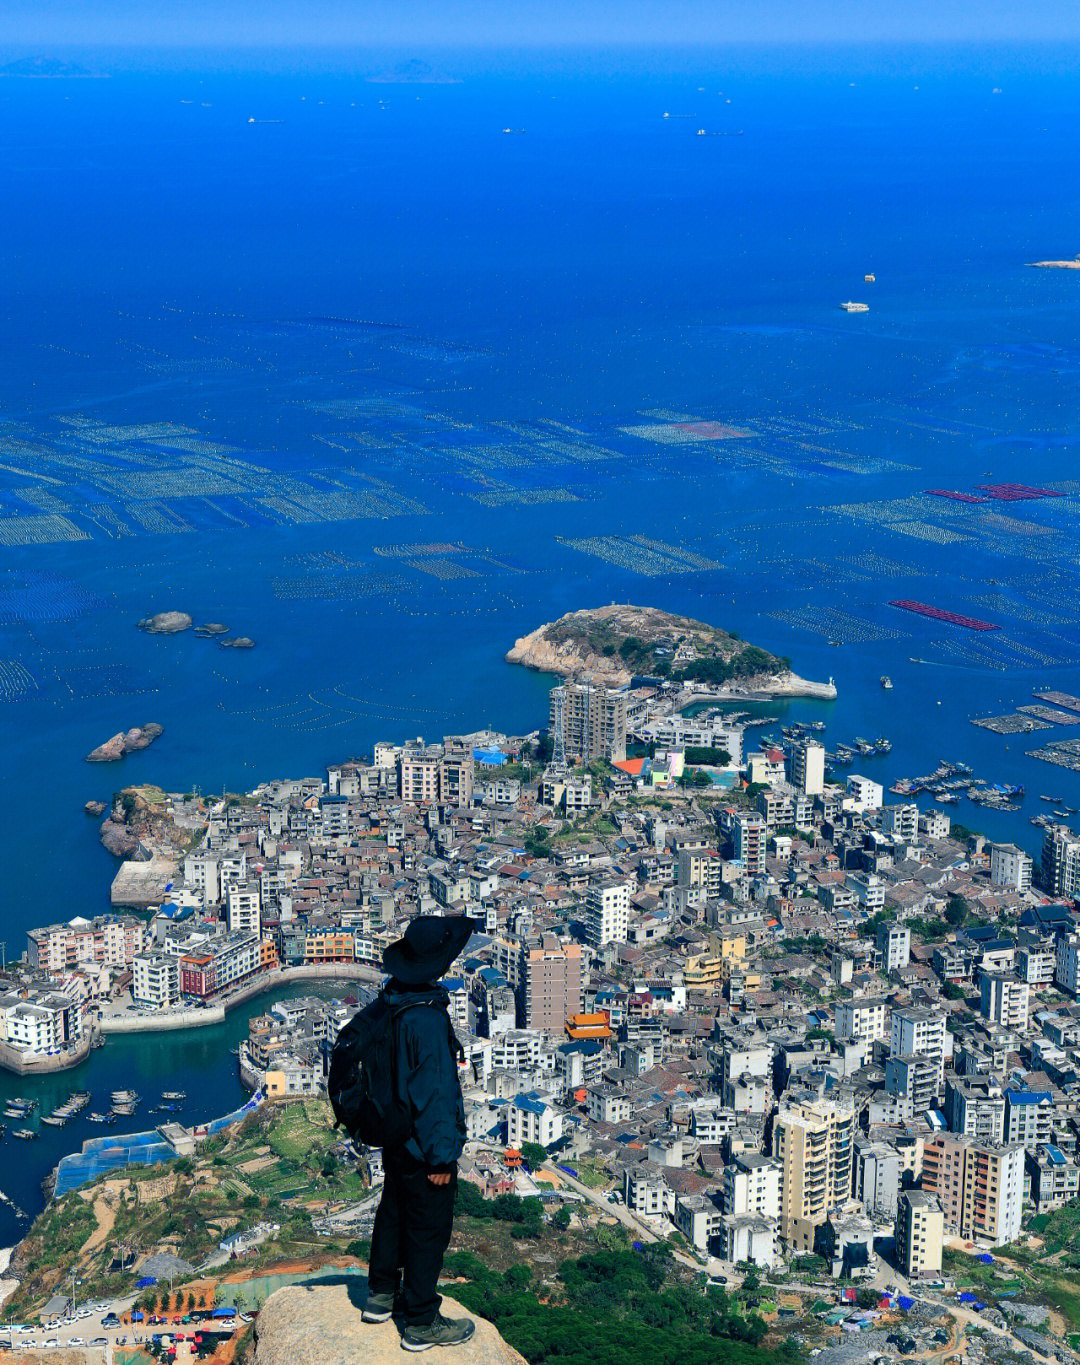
[124, 1097]
[26, 1134]
[54, 1120]
[97, 1118]
[174, 1094]
[886, 682]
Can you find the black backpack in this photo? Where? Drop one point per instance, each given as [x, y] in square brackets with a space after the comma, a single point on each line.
[362, 1080]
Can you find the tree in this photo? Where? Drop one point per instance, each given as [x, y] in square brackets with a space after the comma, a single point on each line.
[518, 1277]
[561, 1218]
[190, 1302]
[956, 911]
[533, 1154]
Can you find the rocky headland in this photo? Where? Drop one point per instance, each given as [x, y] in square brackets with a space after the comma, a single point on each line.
[126, 742]
[613, 644]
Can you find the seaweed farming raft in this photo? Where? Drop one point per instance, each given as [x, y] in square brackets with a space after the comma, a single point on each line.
[951, 618]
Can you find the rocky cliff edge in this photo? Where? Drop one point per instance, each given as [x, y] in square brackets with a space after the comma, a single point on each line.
[319, 1324]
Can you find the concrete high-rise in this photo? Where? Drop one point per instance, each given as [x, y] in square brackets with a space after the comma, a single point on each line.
[808, 766]
[980, 1186]
[812, 1140]
[1061, 862]
[607, 913]
[591, 721]
[551, 983]
[920, 1234]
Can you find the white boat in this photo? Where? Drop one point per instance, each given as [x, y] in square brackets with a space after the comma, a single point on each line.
[886, 682]
[855, 307]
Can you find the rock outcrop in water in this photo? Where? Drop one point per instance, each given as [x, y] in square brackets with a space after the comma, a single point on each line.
[319, 1324]
[166, 623]
[127, 742]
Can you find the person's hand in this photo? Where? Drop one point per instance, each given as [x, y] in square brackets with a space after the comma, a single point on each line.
[439, 1177]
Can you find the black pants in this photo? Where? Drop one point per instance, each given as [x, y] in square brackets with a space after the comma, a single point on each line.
[412, 1232]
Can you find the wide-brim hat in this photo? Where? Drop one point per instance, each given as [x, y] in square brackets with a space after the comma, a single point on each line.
[428, 946]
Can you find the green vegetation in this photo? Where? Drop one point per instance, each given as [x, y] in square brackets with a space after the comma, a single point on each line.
[745, 664]
[957, 912]
[616, 1307]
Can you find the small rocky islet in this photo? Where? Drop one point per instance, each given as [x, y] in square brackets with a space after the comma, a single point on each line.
[126, 742]
[176, 622]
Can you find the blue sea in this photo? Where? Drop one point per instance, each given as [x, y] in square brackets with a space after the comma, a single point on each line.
[350, 368]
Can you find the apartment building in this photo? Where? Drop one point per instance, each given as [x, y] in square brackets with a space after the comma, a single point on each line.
[607, 913]
[979, 1185]
[813, 1143]
[1003, 999]
[155, 979]
[106, 939]
[591, 721]
[920, 1235]
[861, 1020]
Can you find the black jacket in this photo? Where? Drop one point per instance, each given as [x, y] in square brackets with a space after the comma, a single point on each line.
[427, 1074]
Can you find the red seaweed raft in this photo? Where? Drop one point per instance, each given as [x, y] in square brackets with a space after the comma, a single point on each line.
[1016, 492]
[937, 614]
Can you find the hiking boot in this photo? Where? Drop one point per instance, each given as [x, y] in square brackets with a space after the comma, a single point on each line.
[378, 1308]
[441, 1332]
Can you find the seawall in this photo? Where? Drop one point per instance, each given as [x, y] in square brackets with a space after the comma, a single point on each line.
[144, 1022]
[13, 1059]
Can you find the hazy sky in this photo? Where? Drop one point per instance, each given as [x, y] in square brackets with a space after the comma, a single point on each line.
[428, 23]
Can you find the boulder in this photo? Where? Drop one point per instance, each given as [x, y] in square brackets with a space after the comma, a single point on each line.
[94, 807]
[319, 1324]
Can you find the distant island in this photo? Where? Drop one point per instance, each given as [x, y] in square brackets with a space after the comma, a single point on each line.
[616, 643]
[414, 72]
[49, 68]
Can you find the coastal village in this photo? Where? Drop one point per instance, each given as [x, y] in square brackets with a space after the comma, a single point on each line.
[719, 995]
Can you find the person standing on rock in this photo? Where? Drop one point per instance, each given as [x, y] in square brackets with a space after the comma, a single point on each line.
[416, 1213]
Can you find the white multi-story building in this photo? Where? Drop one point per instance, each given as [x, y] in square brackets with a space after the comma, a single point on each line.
[1061, 862]
[1067, 963]
[155, 979]
[749, 835]
[915, 1031]
[901, 820]
[244, 908]
[532, 1117]
[862, 1020]
[894, 944]
[1004, 1000]
[1035, 964]
[869, 890]
[751, 1185]
[1010, 867]
[863, 794]
[607, 913]
[808, 766]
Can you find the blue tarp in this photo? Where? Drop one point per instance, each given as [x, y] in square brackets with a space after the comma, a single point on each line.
[145, 1282]
[985, 1258]
[904, 1303]
[966, 1297]
[569, 1171]
[223, 1313]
